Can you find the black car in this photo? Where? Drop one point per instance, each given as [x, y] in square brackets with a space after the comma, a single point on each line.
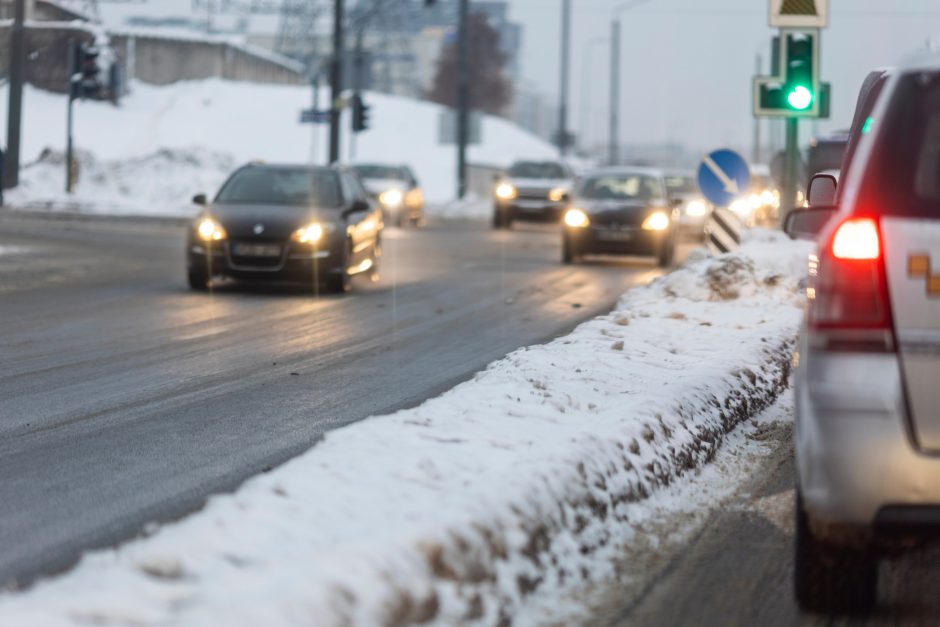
[621, 212]
[533, 191]
[295, 223]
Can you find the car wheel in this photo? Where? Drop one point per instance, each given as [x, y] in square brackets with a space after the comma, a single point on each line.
[501, 219]
[340, 282]
[568, 253]
[198, 279]
[667, 254]
[376, 258]
[829, 578]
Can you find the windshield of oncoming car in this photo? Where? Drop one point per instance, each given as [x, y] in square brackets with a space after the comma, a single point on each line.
[537, 170]
[681, 185]
[300, 187]
[621, 187]
[384, 172]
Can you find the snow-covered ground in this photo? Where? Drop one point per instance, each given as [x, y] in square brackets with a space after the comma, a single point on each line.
[526, 481]
[165, 144]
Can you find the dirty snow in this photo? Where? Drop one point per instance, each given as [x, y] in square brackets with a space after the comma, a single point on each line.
[468, 508]
[163, 145]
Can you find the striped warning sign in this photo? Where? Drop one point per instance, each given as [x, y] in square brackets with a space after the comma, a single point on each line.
[722, 232]
[799, 13]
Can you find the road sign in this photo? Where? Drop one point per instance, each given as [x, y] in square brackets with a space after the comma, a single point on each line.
[315, 116]
[722, 232]
[799, 13]
[723, 176]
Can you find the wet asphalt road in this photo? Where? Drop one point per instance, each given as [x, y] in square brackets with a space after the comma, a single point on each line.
[125, 398]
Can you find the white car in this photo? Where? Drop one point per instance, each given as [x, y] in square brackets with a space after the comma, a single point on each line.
[867, 436]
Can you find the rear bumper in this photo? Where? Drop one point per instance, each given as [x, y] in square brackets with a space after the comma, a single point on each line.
[623, 241]
[859, 471]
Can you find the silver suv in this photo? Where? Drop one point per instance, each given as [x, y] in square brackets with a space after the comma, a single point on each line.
[868, 379]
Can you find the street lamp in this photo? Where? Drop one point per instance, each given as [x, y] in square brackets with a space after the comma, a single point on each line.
[613, 155]
[585, 93]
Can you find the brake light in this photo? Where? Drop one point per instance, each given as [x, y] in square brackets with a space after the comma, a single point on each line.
[857, 239]
[849, 305]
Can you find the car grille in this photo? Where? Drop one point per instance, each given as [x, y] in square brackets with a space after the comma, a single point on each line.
[532, 194]
[255, 261]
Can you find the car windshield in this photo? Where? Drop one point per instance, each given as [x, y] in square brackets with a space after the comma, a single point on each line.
[621, 187]
[681, 185]
[906, 161]
[385, 172]
[537, 170]
[300, 187]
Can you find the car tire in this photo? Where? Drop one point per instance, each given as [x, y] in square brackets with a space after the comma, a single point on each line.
[340, 282]
[569, 254]
[198, 279]
[832, 579]
[501, 219]
[667, 254]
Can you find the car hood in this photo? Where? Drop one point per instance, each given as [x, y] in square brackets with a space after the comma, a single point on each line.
[377, 186]
[277, 221]
[539, 184]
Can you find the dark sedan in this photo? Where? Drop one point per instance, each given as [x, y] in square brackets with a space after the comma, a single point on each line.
[305, 224]
[620, 212]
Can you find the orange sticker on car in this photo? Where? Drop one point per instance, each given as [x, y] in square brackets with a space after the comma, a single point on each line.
[918, 267]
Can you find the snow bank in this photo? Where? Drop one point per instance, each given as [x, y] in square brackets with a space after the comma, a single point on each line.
[232, 123]
[460, 509]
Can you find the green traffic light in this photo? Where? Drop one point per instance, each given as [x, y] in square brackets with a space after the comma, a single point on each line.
[800, 98]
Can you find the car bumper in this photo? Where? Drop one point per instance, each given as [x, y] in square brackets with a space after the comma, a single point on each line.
[620, 241]
[858, 468]
[294, 265]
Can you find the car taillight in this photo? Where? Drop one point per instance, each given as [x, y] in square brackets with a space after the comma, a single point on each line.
[849, 305]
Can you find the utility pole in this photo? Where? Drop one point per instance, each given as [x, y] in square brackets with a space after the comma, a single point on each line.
[756, 152]
[565, 63]
[791, 178]
[613, 155]
[463, 95]
[11, 162]
[336, 78]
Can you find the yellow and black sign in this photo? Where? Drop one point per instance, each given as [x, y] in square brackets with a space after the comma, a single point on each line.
[918, 267]
[799, 13]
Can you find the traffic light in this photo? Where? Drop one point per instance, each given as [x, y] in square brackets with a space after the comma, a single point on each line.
[795, 89]
[360, 114]
[86, 74]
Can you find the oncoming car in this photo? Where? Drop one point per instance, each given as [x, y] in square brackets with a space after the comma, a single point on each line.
[694, 209]
[396, 189]
[304, 224]
[867, 434]
[620, 211]
[531, 190]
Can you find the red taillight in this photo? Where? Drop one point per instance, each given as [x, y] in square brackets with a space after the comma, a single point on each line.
[849, 306]
[857, 239]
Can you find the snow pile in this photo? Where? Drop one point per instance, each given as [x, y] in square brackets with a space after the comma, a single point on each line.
[460, 510]
[161, 184]
[239, 122]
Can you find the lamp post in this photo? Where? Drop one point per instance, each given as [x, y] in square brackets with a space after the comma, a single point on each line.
[585, 92]
[614, 152]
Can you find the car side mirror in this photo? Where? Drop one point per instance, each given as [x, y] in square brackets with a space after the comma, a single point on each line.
[822, 190]
[200, 199]
[675, 203]
[807, 223]
[358, 207]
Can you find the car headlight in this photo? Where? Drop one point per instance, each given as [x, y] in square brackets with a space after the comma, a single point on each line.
[312, 233]
[576, 218]
[558, 194]
[696, 209]
[742, 208]
[209, 230]
[414, 199]
[391, 198]
[767, 198]
[656, 221]
[505, 191]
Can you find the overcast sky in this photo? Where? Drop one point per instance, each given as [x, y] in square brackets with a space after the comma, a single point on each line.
[687, 64]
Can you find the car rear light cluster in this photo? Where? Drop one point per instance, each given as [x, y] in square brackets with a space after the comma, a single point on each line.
[849, 305]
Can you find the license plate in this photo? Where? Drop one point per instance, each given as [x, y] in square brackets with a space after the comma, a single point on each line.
[531, 205]
[256, 250]
[615, 236]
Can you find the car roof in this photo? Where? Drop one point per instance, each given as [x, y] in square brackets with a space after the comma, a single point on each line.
[625, 171]
[290, 166]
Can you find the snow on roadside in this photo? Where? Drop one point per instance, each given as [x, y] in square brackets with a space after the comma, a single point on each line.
[464, 508]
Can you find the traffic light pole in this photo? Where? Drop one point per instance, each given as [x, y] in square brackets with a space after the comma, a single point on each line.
[336, 78]
[614, 131]
[463, 96]
[791, 178]
[11, 162]
[565, 71]
[69, 147]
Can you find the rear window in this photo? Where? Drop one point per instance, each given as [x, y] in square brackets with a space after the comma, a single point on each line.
[904, 174]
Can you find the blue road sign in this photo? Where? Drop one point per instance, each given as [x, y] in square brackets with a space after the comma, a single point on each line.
[723, 177]
[314, 116]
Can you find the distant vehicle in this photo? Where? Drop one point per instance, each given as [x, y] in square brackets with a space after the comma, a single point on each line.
[761, 203]
[532, 190]
[867, 436]
[396, 189]
[694, 209]
[304, 224]
[826, 153]
[621, 211]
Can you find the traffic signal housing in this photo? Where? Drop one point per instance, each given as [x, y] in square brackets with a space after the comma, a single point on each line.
[86, 78]
[360, 114]
[795, 89]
